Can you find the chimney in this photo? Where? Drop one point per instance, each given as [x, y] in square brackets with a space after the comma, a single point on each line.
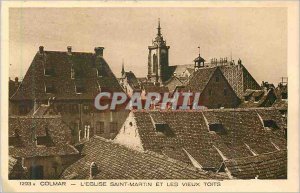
[93, 170]
[69, 48]
[99, 51]
[41, 49]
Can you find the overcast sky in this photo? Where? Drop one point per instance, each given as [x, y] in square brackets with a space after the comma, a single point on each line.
[256, 35]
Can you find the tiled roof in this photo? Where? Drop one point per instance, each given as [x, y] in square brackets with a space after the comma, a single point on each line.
[85, 66]
[179, 69]
[115, 161]
[239, 78]
[23, 131]
[265, 98]
[132, 80]
[200, 79]
[271, 165]
[174, 82]
[191, 132]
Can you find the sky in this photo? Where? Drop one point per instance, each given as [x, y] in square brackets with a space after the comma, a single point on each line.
[258, 36]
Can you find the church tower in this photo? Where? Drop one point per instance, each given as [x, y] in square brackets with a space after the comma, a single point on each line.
[158, 58]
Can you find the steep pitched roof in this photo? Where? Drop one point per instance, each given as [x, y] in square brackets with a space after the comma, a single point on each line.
[115, 161]
[87, 68]
[191, 131]
[174, 82]
[200, 79]
[239, 78]
[132, 80]
[24, 131]
[271, 165]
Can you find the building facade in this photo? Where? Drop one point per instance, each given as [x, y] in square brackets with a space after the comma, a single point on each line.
[71, 81]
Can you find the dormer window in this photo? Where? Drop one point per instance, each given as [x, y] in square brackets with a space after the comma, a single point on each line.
[247, 98]
[72, 73]
[257, 95]
[217, 128]
[44, 139]
[15, 141]
[164, 129]
[256, 99]
[270, 124]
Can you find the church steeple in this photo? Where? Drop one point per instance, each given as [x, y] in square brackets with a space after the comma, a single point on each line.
[158, 58]
[123, 71]
[159, 28]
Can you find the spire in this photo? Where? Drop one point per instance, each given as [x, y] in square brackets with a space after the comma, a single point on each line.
[159, 28]
[199, 51]
[123, 71]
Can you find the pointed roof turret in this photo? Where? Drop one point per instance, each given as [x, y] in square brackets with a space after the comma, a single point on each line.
[123, 70]
[158, 28]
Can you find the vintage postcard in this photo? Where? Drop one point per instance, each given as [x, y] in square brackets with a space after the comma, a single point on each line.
[149, 96]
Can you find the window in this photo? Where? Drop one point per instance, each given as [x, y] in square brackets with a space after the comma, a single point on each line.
[49, 71]
[72, 73]
[225, 91]
[217, 128]
[44, 140]
[15, 141]
[79, 87]
[217, 78]
[49, 88]
[113, 127]
[165, 129]
[86, 108]
[270, 124]
[256, 99]
[99, 128]
[284, 95]
[247, 98]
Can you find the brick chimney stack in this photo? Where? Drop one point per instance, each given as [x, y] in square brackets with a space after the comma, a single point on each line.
[99, 51]
[41, 49]
[69, 48]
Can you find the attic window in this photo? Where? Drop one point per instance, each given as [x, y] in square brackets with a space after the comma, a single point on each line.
[44, 140]
[217, 128]
[247, 98]
[217, 79]
[49, 88]
[284, 95]
[270, 124]
[164, 128]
